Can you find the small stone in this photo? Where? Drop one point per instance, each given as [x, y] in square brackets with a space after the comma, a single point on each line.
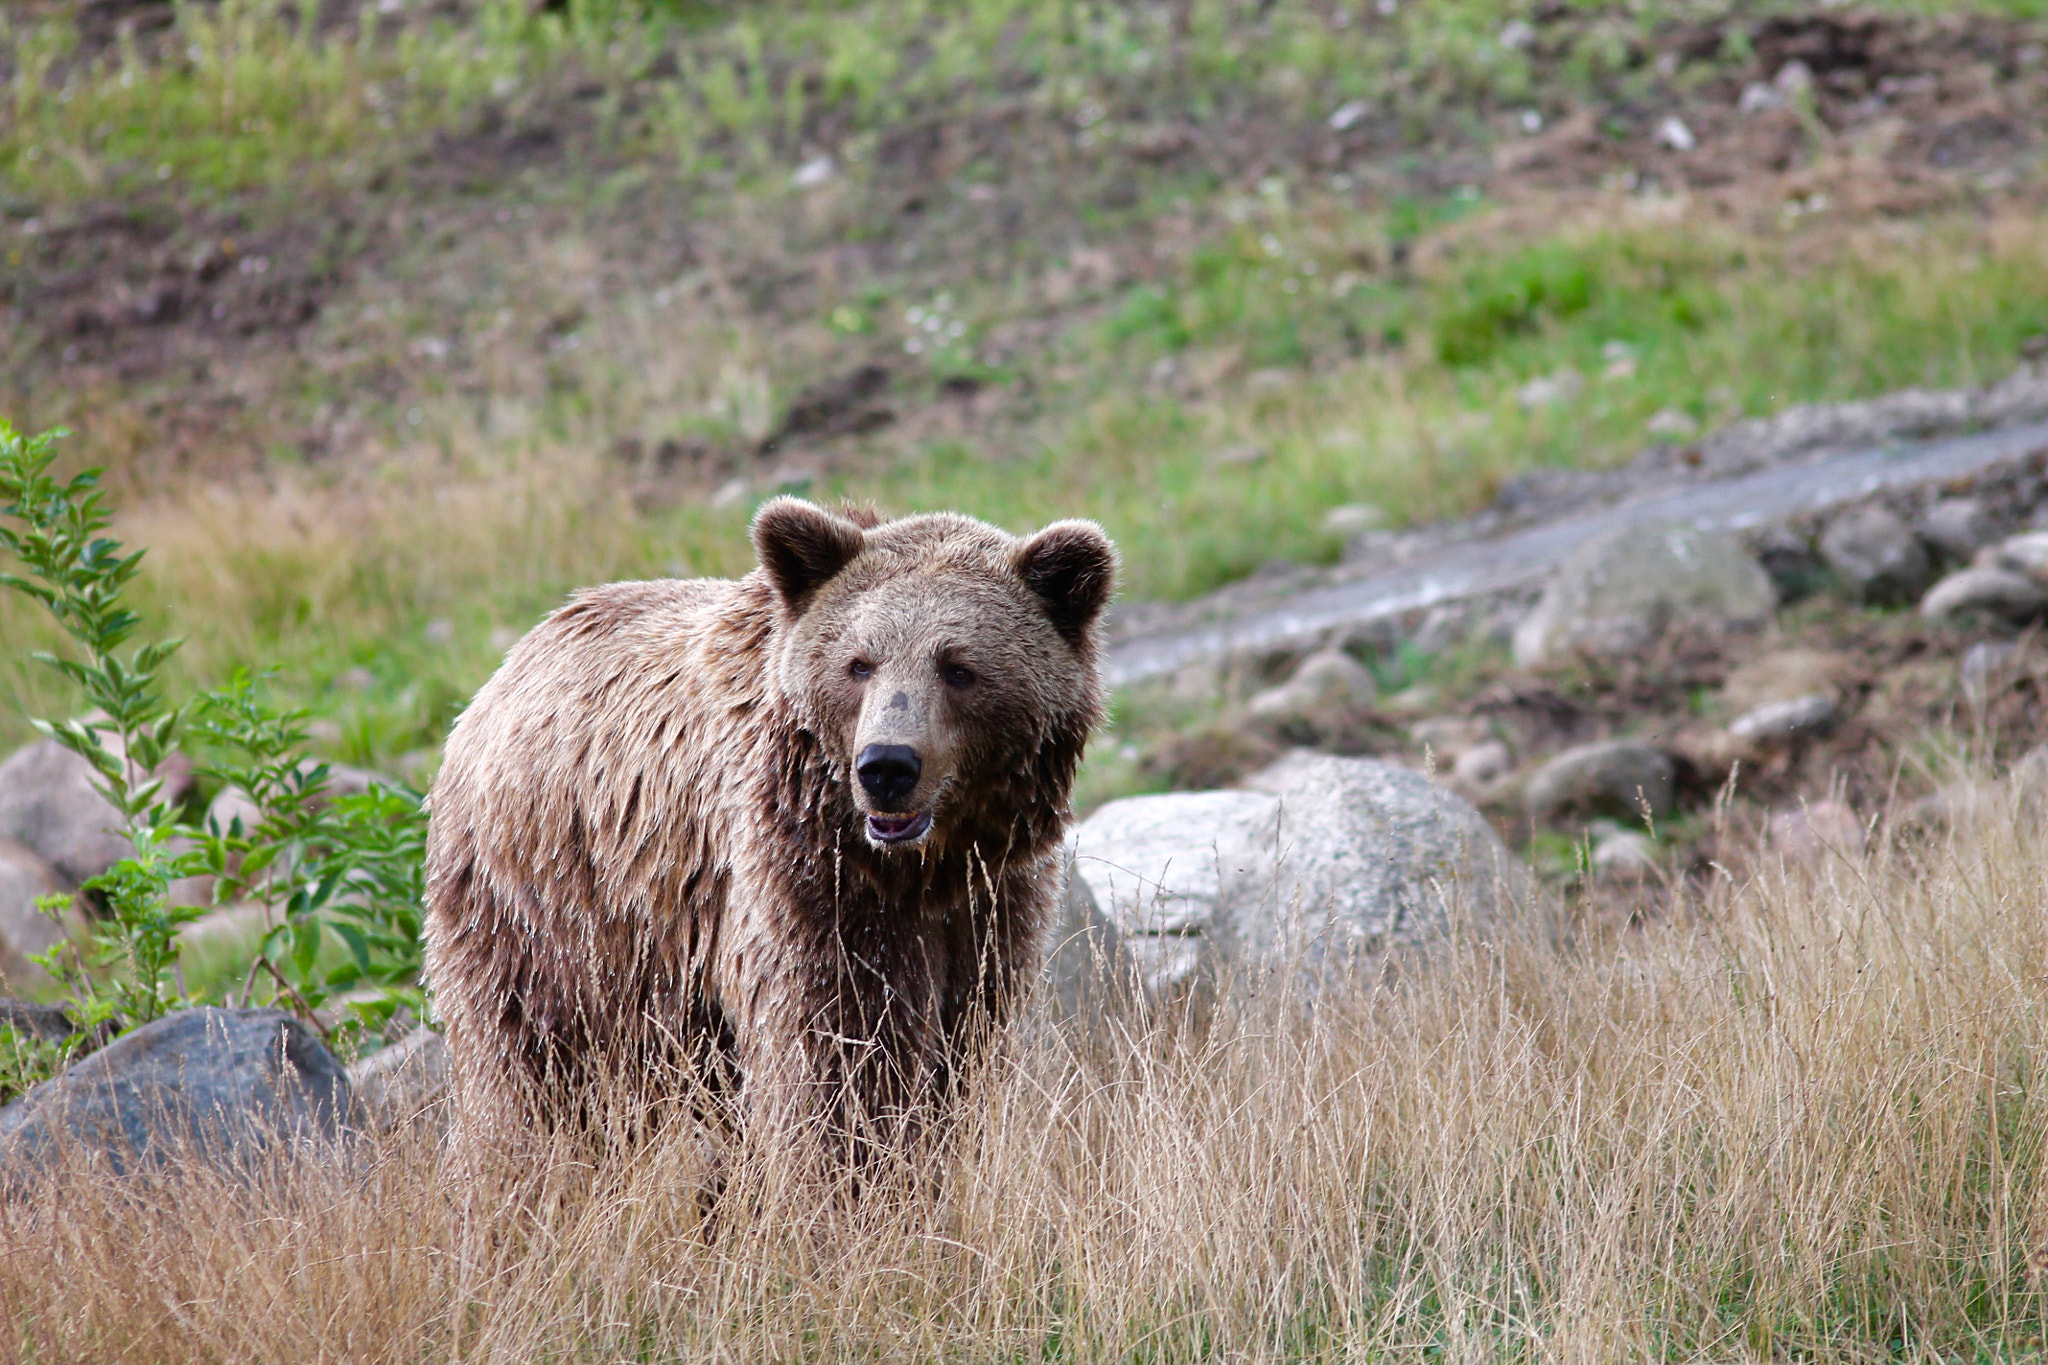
[1624, 855]
[1673, 133]
[1758, 97]
[1238, 456]
[1669, 424]
[1482, 765]
[814, 172]
[731, 493]
[2027, 551]
[1618, 777]
[1778, 722]
[1517, 34]
[1793, 78]
[1875, 555]
[1353, 518]
[1327, 682]
[1710, 751]
[440, 631]
[1811, 832]
[1784, 674]
[1979, 671]
[1448, 737]
[1551, 390]
[1348, 115]
[1957, 527]
[1985, 590]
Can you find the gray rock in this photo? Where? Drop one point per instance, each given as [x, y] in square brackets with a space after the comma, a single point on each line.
[25, 930]
[1447, 737]
[49, 804]
[1985, 590]
[1353, 518]
[1875, 555]
[1166, 874]
[47, 1022]
[1957, 527]
[1551, 390]
[1616, 777]
[1777, 722]
[1482, 765]
[396, 1083]
[1984, 665]
[1624, 855]
[2026, 552]
[1375, 856]
[1326, 683]
[1618, 592]
[222, 1085]
[1669, 424]
[1330, 858]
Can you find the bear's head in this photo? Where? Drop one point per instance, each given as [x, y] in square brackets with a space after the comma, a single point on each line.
[947, 668]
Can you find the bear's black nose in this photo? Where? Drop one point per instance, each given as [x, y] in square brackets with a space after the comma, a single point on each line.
[889, 772]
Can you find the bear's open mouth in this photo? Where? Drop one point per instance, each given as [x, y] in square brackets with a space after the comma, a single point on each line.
[898, 829]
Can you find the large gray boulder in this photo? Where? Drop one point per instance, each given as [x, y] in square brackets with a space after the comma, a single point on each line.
[225, 1086]
[1618, 592]
[1325, 862]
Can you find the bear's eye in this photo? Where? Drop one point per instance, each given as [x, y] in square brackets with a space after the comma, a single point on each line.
[860, 668]
[957, 675]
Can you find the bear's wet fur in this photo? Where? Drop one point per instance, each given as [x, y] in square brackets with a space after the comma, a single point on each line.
[652, 857]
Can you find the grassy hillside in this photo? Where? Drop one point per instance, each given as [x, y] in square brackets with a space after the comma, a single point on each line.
[396, 323]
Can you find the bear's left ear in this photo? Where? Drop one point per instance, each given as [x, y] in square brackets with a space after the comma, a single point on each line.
[802, 547]
[1070, 566]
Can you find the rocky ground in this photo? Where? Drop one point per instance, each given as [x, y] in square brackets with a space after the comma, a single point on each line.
[1666, 704]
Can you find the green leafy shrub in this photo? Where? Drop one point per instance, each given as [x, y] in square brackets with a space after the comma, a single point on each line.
[344, 871]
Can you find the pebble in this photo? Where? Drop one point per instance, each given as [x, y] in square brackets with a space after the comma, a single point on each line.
[1958, 527]
[2027, 551]
[1876, 555]
[1981, 664]
[1987, 590]
[1619, 777]
[1353, 518]
[1551, 390]
[1669, 424]
[1794, 718]
[1624, 855]
[1482, 765]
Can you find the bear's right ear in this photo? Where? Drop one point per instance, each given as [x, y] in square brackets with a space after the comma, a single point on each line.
[803, 547]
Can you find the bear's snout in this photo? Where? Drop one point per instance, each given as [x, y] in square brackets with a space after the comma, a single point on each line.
[888, 773]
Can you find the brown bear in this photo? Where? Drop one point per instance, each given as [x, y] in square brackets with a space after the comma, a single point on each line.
[795, 836]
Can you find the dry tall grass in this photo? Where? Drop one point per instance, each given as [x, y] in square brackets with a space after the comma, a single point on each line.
[1805, 1120]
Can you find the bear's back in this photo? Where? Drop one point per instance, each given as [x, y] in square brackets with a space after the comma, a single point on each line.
[597, 770]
